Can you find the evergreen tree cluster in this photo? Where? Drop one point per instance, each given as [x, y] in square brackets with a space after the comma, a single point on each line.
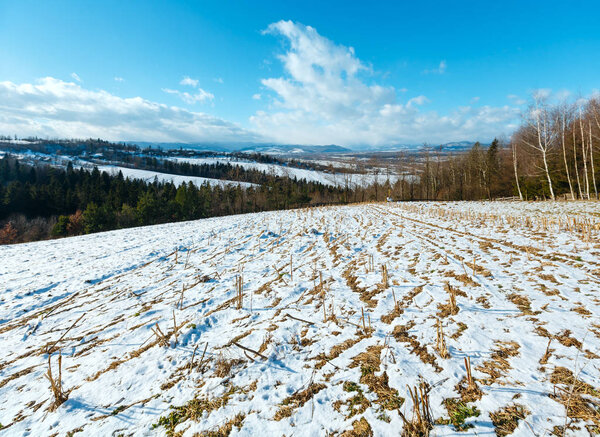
[82, 201]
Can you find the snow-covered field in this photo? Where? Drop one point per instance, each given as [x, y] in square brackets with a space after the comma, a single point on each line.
[353, 180]
[177, 180]
[152, 339]
[62, 161]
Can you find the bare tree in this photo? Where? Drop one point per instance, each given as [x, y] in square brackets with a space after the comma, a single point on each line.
[584, 153]
[540, 135]
[513, 146]
[563, 113]
[575, 162]
[591, 144]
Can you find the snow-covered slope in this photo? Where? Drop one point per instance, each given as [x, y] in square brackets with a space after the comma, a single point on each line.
[298, 357]
[334, 179]
[177, 180]
[62, 161]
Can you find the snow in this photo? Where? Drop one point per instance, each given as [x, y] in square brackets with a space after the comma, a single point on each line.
[123, 283]
[149, 176]
[62, 161]
[332, 179]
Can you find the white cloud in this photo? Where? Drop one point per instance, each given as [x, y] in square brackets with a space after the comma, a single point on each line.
[189, 82]
[256, 96]
[441, 69]
[119, 79]
[76, 77]
[54, 108]
[516, 100]
[218, 80]
[327, 95]
[199, 96]
[416, 101]
[475, 100]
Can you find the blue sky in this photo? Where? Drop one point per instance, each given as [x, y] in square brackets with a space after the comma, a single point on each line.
[351, 73]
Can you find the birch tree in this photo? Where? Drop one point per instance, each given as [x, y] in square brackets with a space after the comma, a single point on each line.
[564, 114]
[540, 134]
[513, 147]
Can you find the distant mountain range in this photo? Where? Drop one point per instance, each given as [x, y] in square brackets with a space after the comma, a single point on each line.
[280, 149]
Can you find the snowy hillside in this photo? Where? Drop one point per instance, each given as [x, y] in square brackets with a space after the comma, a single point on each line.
[177, 180]
[344, 313]
[61, 161]
[352, 180]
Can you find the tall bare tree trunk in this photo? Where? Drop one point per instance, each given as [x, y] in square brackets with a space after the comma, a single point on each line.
[514, 153]
[584, 153]
[575, 159]
[543, 147]
[565, 153]
[548, 175]
[592, 162]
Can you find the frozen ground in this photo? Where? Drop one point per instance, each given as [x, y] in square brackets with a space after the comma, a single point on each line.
[524, 277]
[333, 179]
[131, 173]
[177, 180]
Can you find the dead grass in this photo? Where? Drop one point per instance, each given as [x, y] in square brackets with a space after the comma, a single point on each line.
[297, 400]
[506, 419]
[581, 400]
[522, 302]
[225, 429]
[498, 365]
[462, 327]
[336, 351]
[400, 333]
[223, 366]
[360, 428]
[580, 309]
[193, 410]
[369, 362]
[564, 338]
[352, 281]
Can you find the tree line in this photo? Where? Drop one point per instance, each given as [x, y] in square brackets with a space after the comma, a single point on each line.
[41, 201]
[556, 144]
[552, 154]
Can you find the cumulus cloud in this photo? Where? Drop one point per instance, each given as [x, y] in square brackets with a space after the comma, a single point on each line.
[198, 96]
[327, 95]
[256, 96]
[54, 108]
[189, 81]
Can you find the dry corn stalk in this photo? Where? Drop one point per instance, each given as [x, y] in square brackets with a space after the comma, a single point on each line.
[470, 381]
[441, 341]
[163, 340]
[421, 422]
[60, 396]
[239, 283]
[384, 276]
